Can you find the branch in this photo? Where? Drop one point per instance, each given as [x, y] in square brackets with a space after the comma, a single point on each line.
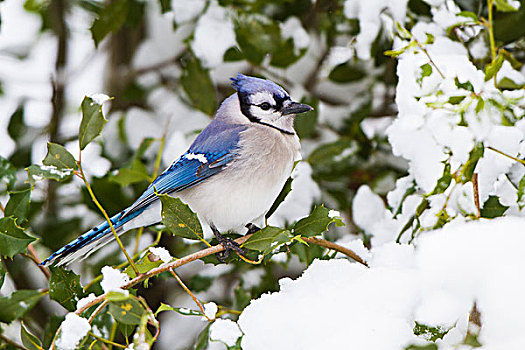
[213, 250]
[336, 247]
[32, 255]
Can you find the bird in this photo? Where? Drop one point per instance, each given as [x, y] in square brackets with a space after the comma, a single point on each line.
[230, 175]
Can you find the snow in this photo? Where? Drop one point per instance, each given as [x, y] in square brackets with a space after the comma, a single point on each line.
[113, 280]
[86, 300]
[292, 28]
[225, 331]
[210, 310]
[369, 14]
[162, 253]
[213, 36]
[435, 283]
[74, 328]
[99, 98]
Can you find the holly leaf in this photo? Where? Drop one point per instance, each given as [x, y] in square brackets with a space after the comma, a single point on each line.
[30, 341]
[180, 310]
[110, 19]
[7, 172]
[128, 311]
[18, 205]
[59, 157]
[492, 208]
[92, 123]
[316, 223]
[48, 172]
[267, 239]
[15, 306]
[179, 218]
[281, 197]
[198, 85]
[13, 240]
[65, 287]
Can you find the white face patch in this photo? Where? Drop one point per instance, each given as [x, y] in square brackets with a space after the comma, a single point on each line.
[261, 97]
[199, 156]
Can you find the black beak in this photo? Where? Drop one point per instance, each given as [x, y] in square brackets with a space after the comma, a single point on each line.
[295, 108]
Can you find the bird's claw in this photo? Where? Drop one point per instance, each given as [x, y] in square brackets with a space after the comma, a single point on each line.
[228, 244]
[252, 228]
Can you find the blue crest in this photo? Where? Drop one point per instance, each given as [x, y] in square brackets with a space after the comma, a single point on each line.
[250, 85]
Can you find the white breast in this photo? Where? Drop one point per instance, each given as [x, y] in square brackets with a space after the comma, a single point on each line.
[246, 189]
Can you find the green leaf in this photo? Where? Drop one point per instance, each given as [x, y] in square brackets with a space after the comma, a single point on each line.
[197, 84]
[165, 6]
[136, 172]
[92, 123]
[307, 254]
[13, 240]
[346, 73]
[59, 157]
[504, 6]
[65, 287]
[18, 205]
[16, 127]
[40, 172]
[493, 67]
[110, 19]
[305, 124]
[255, 38]
[430, 39]
[492, 208]
[468, 14]
[280, 198]
[430, 333]
[443, 182]
[430, 346]
[466, 85]
[179, 218]
[474, 156]
[455, 100]
[200, 283]
[521, 191]
[15, 306]
[267, 239]
[203, 338]
[233, 54]
[7, 172]
[128, 311]
[426, 70]
[403, 33]
[2, 275]
[30, 341]
[180, 310]
[316, 223]
[143, 266]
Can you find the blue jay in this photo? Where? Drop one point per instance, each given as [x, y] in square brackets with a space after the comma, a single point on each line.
[229, 176]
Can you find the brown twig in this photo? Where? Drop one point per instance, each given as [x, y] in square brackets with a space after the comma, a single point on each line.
[199, 304]
[2, 209]
[475, 188]
[336, 247]
[213, 250]
[32, 255]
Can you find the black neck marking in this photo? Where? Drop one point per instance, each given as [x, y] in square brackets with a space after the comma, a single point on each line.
[284, 131]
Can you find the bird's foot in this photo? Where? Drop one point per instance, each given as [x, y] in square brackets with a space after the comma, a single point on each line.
[228, 244]
[252, 228]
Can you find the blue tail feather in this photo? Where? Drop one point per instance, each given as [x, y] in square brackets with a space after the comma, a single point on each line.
[91, 236]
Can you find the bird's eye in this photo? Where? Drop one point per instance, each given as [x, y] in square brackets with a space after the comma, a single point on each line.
[265, 106]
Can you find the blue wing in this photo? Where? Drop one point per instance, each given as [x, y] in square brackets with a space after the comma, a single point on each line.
[215, 147]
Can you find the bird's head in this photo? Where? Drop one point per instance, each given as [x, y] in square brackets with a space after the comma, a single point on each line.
[262, 101]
